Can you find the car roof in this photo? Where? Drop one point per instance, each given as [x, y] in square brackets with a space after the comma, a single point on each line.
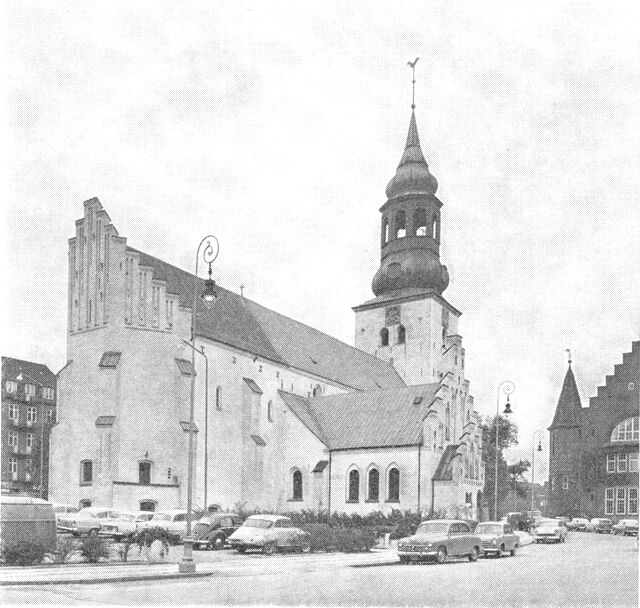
[445, 521]
[218, 515]
[498, 523]
[172, 511]
[269, 517]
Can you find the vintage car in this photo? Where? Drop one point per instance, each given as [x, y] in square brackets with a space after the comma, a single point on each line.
[577, 523]
[626, 526]
[88, 520]
[550, 530]
[498, 538]
[269, 533]
[212, 531]
[64, 512]
[437, 539]
[125, 525]
[171, 520]
[600, 525]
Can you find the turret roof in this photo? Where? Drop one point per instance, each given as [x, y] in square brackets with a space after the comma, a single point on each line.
[569, 405]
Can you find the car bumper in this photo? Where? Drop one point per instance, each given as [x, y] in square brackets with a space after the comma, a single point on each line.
[547, 538]
[417, 553]
[248, 544]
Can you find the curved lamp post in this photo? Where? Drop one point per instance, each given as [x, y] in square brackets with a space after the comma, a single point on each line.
[209, 295]
[507, 388]
[533, 460]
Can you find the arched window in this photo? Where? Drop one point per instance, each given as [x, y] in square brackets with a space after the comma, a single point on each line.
[385, 230]
[218, 397]
[402, 334]
[144, 472]
[393, 494]
[384, 337]
[354, 486]
[86, 471]
[447, 422]
[627, 430]
[296, 479]
[317, 391]
[85, 503]
[420, 222]
[401, 225]
[373, 484]
[148, 505]
[270, 411]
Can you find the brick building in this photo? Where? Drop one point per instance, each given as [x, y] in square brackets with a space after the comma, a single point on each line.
[593, 462]
[28, 414]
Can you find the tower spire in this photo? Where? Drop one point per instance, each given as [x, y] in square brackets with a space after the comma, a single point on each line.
[412, 65]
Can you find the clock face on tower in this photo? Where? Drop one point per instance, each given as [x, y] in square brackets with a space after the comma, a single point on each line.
[392, 315]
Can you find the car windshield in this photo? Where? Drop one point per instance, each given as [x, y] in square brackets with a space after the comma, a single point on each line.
[127, 517]
[432, 528]
[489, 529]
[161, 517]
[85, 513]
[257, 523]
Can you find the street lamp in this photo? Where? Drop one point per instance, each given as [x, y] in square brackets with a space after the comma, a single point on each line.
[533, 461]
[209, 295]
[507, 388]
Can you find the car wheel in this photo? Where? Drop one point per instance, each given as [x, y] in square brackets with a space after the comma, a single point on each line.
[404, 559]
[216, 544]
[269, 548]
[500, 552]
[241, 549]
[441, 555]
[473, 556]
[515, 548]
[305, 546]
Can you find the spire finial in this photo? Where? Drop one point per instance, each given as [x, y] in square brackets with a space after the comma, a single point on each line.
[568, 351]
[412, 65]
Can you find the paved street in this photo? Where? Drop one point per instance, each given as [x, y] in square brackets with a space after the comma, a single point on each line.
[588, 570]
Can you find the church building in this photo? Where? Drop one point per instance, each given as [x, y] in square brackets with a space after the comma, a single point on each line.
[286, 417]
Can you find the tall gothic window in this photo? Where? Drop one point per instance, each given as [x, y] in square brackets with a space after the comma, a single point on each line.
[354, 486]
[373, 485]
[402, 334]
[434, 227]
[401, 225]
[144, 473]
[296, 479]
[385, 230]
[394, 485]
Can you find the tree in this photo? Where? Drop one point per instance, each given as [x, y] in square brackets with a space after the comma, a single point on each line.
[507, 437]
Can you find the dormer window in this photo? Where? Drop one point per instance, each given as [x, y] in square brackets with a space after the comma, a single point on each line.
[420, 222]
[401, 225]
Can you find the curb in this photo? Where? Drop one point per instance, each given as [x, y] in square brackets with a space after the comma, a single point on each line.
[97, 581]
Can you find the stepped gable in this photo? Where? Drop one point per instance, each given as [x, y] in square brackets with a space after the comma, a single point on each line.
[241, 323]
[569, 406]
[367, 419]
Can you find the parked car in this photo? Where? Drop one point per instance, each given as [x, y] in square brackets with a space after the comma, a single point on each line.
[171, 520]
[269, 533]
[577, 523]
[27, 519]
[125, 525]
[550, 530]
[600, 525]
[563, 520]
[438, 539]
[497, 538]
[213, 530]
[64, 511]
[90, 520]
[626, 526]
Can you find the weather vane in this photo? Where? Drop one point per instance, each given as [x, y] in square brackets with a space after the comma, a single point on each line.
[412, 65]
[568, 353]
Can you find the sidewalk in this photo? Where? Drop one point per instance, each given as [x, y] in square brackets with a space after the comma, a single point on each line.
[247, 565]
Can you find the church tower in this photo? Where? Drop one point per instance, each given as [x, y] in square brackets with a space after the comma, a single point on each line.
[409, 323]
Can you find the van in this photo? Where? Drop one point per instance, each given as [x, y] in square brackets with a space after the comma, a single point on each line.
[25, 519]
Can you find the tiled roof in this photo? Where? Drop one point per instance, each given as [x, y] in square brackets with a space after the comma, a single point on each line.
[569, 405]
[376, 418]
[244, 324]
[12, 368]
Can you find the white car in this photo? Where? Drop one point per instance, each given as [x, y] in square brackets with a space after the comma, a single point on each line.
[268, 533]
[88, 520]
[550, 530]
[126, 524]
[171, 520]
[64, 512]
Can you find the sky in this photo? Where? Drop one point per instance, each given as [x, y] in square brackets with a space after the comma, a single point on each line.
[276, 126]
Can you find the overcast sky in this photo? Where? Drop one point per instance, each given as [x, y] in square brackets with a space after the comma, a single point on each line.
[277, 126]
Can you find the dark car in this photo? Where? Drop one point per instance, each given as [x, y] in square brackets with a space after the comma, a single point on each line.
[626, 526]
[212, 531]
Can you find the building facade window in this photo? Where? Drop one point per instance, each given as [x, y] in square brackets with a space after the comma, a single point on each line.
[270, 411]
[633, 501]
[144, 473]
[86, 471]
[401, 225]
[218, 398]
[631, 386]
[608, 501]
[385, 230]
[48, 393]
[13, 438]
[611, 463]
[434, 228]
[447, 423]
[565, 482]
[148, 505]
[393, 494]
[622, 463]
[373, 485]
[85, 503]
[384, 337]
[633, 462]
[51, 416]
[30, 390]
[29, 440]
[13, 411]
[13, 465]
[11, 386]
[354, 486]
[621, 500]
[296, 482]
[627, 430]
[32, 414]
[402, 334]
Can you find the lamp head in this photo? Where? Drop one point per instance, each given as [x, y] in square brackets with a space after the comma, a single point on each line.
[539, 446]
[209, 295]
[507, 408]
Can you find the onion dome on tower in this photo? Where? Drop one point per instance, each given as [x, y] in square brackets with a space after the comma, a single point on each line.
[410, 238]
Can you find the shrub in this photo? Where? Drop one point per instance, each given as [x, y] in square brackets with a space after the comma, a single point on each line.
[23, 553]
[94, 548]
[66, 548]
[145, 538]
[123, 548]
[348, 540]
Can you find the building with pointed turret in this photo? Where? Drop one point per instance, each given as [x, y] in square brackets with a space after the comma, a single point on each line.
[295, 419]
[593, 459]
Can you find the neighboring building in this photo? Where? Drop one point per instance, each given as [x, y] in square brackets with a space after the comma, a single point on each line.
[297, 419]
[593, 462]
[28, 414]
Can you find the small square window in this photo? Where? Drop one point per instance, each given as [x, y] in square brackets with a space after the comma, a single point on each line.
[110, 359]
[48, 393]
[631, 386]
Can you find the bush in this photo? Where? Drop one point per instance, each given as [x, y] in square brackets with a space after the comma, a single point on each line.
[94, 548]
[123, 548]
[145, 538]
[66, 548]
[23, 553]
[347, 540]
